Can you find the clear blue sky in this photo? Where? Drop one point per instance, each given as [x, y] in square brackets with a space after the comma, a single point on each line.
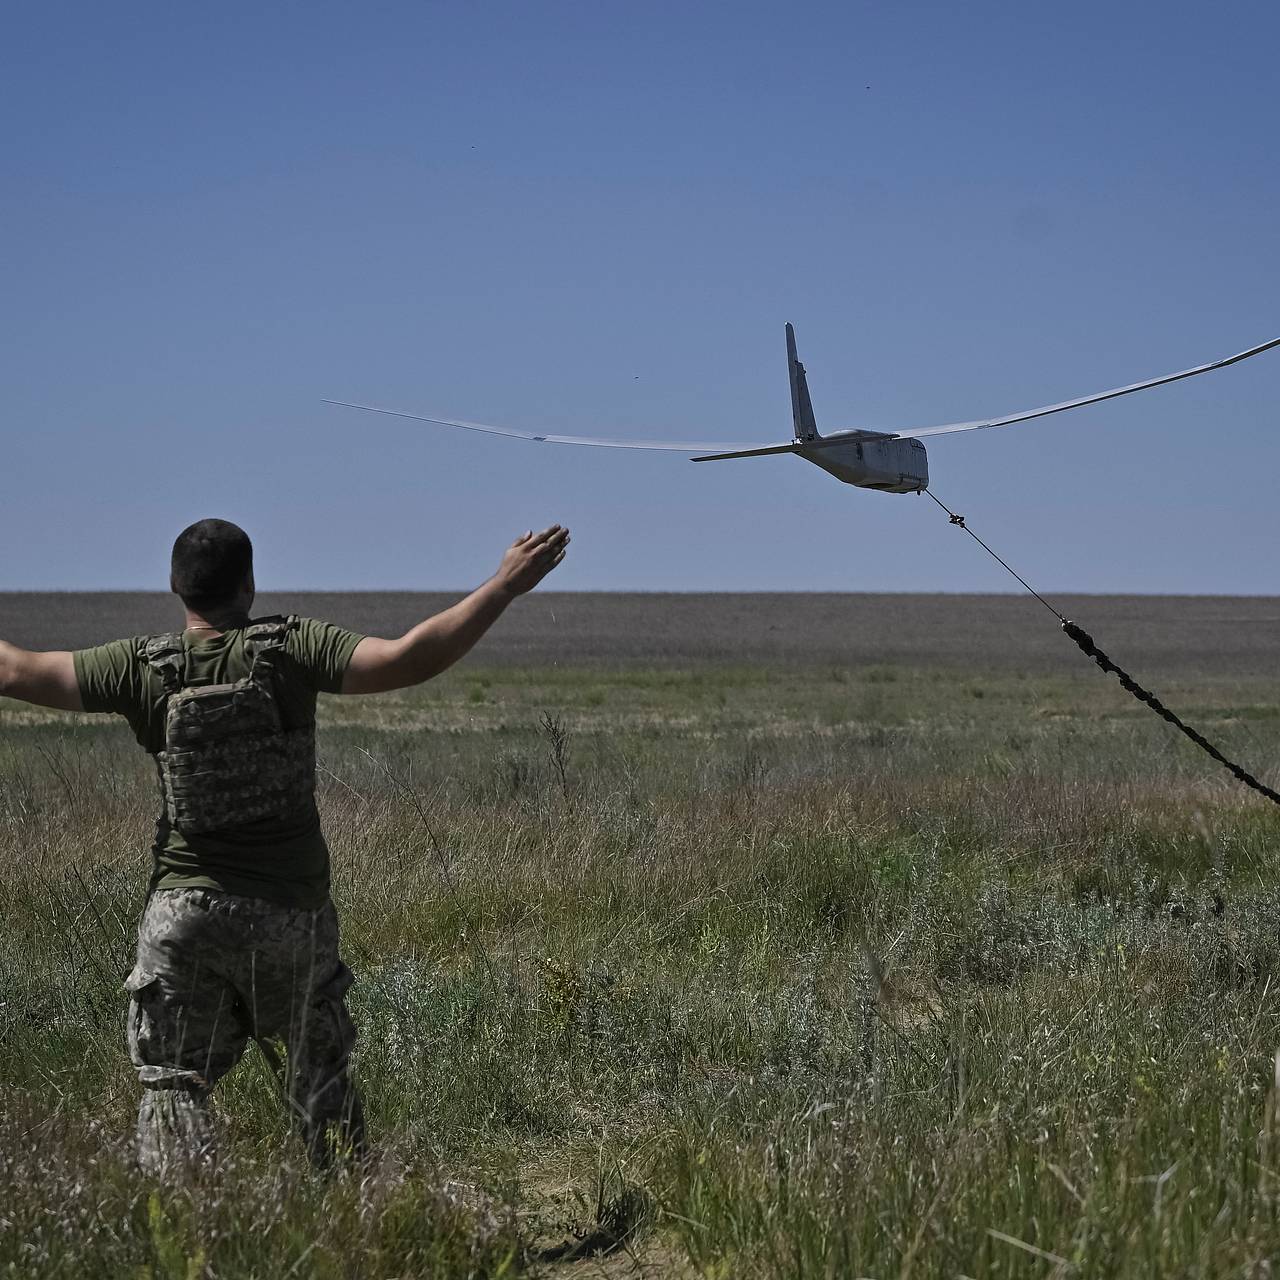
[595, 218]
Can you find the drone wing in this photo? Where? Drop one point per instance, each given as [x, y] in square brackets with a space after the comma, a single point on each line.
[1044, 410]
[674, 446]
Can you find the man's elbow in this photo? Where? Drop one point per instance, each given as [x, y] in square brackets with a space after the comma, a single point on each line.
[415, 669]
[419, 659]
[44, 679]
[9, 672]
[383, 666]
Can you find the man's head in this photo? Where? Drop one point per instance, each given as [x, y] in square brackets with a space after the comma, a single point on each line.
[212, 566]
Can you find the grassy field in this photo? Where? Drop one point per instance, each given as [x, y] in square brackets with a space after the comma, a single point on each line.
[731, 937]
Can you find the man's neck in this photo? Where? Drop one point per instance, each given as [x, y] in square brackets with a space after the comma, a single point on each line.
[216, 621]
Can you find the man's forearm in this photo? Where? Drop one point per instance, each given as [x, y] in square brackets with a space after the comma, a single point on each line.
[378, 666]
[436, 644]
[46, 679]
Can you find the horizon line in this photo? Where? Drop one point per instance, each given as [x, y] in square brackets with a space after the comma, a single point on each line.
[657, 591]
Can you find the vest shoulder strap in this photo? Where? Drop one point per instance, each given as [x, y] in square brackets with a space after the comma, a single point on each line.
[265, 640]
[165, 656]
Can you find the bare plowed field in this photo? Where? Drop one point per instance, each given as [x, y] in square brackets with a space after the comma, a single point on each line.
[1173, 634]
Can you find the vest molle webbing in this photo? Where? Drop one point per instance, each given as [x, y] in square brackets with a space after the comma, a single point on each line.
[228, 760]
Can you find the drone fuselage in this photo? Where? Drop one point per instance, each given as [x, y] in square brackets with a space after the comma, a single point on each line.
[890, 464]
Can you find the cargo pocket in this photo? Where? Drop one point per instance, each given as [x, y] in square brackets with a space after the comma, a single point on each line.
[153, 1034]
[145, 1026]
[139, 979]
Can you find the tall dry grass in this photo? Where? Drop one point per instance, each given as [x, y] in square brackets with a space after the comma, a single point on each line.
[879, 971]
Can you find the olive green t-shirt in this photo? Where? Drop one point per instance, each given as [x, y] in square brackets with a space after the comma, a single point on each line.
[285, 860]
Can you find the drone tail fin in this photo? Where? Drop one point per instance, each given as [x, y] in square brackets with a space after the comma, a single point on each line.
[801, 406]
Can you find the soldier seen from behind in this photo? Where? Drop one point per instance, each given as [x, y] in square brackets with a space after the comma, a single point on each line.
[239, 938]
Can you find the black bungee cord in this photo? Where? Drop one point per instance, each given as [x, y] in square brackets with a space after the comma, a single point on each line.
[1088, 646]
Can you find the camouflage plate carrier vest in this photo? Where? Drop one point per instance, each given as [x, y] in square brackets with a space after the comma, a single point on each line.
[228, 760]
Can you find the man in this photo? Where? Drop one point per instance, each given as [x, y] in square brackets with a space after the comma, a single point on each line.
[239, 939]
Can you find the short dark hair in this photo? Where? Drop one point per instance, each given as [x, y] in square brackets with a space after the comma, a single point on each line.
[211, 560]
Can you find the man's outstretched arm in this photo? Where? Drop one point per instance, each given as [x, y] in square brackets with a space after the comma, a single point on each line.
[46, 679]
[378, 666]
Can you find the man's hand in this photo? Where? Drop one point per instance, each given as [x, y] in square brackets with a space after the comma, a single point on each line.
[530, 558]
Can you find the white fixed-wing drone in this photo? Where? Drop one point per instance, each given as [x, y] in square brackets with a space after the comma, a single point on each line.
[891, 461]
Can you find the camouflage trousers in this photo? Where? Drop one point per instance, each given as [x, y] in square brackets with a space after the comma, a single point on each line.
[215, 970]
